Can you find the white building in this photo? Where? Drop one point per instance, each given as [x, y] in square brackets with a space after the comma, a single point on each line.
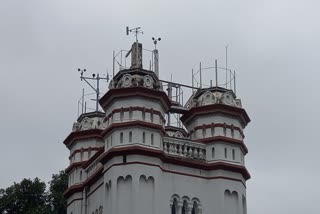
[125, 160]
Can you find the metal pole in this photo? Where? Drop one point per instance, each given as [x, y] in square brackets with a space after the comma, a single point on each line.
[98, 92]
[200, 76]
[113, 63]
[192, 81]
[216, 70]
[82, 101]
[227, 66]
[234, 82]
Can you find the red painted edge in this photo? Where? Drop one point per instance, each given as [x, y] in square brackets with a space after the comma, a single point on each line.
[175, 172]
[213, 125]
[225, 139]
[83, 150]
[88, 182]
[133, 123]
[76, 199]
[174, 160]
[214, 108]
[74, 165]
[80, 135]
[135, 108]
[94, 157]
[135, 91]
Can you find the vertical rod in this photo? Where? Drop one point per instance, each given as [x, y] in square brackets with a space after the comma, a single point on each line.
[113, 64]
[234, 82]
[85, 107]
[82, 101]
[210, 83]
[216, 70]
[192, 82]
[121, 67]
[226, 66]
[97, 99]
[152, 65]
[230, 78]
[200, 76]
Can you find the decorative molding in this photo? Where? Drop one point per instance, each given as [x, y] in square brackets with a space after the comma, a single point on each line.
[174, 160]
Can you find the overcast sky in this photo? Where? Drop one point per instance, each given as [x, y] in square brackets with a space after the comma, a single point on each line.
[274, 46]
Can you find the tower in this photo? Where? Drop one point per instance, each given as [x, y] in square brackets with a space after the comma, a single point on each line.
[127, 159]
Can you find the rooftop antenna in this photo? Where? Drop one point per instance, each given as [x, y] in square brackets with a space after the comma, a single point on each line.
[156, 55]
[97, 78]
[155, 42]
[135, 31]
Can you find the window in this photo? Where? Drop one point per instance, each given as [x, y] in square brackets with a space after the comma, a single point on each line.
[143, 115]
[151, 115]
[204, 132]
[121, 115]
[225, 130]
[232, 131]
[130, 114]
[213, 153]
[130, 137]
[194, 208]
[212, 130]
[144, 137]
[121, 137]
[225, 153]
[184, 207]
[81, 156]
[233, 154]
[152, 139]
[174, 206]
[81, 175]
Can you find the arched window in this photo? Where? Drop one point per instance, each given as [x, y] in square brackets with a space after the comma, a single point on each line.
[143, 137]
[233, 154]
[174, 206]
[225, 153]
[213, 152]
[195, 208]
[121, 137]
[184, 207]
[130, 137]
[152, 139]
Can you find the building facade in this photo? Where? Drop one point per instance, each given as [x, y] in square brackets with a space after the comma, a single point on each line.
[127, 159]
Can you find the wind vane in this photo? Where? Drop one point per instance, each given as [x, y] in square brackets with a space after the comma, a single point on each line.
[136, 31]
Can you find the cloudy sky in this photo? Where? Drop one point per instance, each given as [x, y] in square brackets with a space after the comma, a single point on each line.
[274, 46]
